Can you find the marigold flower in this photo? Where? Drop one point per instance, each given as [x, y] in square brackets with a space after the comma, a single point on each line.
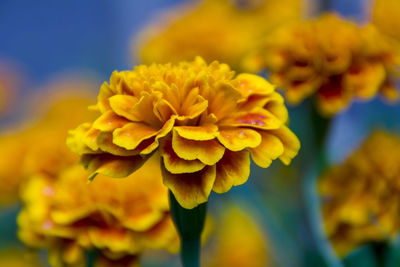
[213, 29]
[38, 146]
[119, 218]
[238, 230]
[203, 121]
[330, 59]
[361, 197]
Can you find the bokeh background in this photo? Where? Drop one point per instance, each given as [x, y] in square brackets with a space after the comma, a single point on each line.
[45, 42]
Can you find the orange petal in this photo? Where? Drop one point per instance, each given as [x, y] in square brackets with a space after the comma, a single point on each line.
[290, 142]
[209, 152]
[199, 133]
[190, 189]
[233, 169]
[109, 121]
[257, 118]
[104, 94]
[269, 149]
[193, 104]
[132, 134]
[164, 110]
[122, 105]
[224, 102]
[236, 139]
[75, 140]
[175, 164]
[90, 139]
[105, 142]
[110, 165]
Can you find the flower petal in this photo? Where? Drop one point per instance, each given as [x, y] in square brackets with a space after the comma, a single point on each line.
[199, 133]
[250, 84]
[105, 142]
[109, 121]
[175, 164]
[122, 105]
[167, 127]
[290, 143]
[209, 152]
[190, 189]
[270, 148]
[257, 118]
[233, 169]
[132, 134]
[236, 139]
[111, 165]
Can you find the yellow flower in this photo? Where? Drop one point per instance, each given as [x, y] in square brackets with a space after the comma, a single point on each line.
[213, 29]
[203, 121]
[361, 197]
[39, 146]
[119, 218]
[329, 59]
[240, 242]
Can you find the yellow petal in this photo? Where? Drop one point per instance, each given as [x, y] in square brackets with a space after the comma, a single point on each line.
[175, 164]
[109, 121]
[190, 189]
[132, 134]
[111, 165]
[269, 149]
[250, 84]
[236, 139]
[167, 127]
[257, 118]
[122, 105]
[104, 94]
[233, 169]
[105, 142]
[209, 152]
[290, 142]
[199, 133]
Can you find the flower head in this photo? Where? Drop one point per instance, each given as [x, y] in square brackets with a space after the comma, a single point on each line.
[330, 59]
[385, 17]
[201, 119]
[361, 197]
[119, 218]
[213, 29]
[38, 146]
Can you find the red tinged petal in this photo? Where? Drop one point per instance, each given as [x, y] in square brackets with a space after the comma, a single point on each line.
[258, 118]
[111, 165]
[232, 170]
[209, 152]
[190, 189]
[270, 148]
[175, 164]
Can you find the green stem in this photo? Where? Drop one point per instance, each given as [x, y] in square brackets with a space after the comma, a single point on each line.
[321, 127]
[380, 249]
[190, 224]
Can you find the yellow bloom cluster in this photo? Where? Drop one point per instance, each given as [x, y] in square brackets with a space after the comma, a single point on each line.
[120, 218]
[239, 241]
[40, 147]
[330, 59]
[203, 121]
[361, 197]
[213, 29]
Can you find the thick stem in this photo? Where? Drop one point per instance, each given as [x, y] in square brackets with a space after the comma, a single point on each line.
[321, 126]
[380, 249]
[190, 224]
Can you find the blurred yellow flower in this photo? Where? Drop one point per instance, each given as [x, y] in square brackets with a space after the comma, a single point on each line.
[118, 218]
[16, 257]
[361, 197]
[240, 242]
[38, 146]
[213, 29]
[202, 120]
[330, 59]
